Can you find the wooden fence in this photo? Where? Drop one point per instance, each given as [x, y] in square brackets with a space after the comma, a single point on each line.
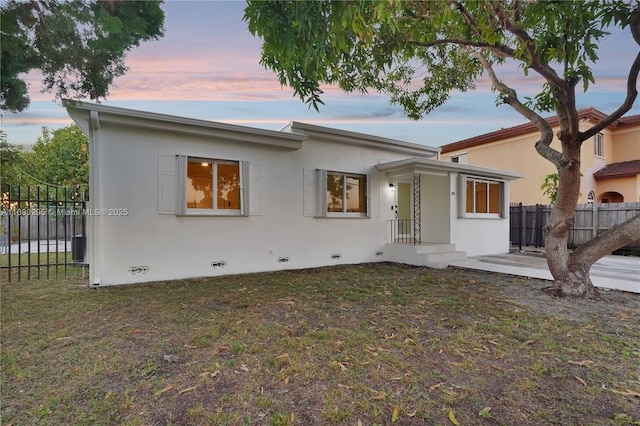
[528, 222]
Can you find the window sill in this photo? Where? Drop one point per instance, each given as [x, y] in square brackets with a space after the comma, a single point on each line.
[213, 213]
[346, 216]
[481, 216]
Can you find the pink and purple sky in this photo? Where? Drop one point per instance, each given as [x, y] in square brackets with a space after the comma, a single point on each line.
[207, 67]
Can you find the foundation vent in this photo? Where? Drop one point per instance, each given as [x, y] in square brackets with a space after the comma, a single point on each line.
[336, 256]
[218, 265]
[379, 253]
[283, 260]
[138, 270]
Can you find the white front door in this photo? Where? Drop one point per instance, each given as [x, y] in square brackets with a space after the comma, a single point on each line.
[404, 212]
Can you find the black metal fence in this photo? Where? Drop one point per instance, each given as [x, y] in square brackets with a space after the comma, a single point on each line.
[42, 233]
[403, 231]
[528, 222]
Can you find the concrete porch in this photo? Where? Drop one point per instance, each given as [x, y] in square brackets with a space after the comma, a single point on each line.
[432, 255]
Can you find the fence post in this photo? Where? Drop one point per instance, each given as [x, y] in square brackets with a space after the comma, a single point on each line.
[594, 219]
[522, 216]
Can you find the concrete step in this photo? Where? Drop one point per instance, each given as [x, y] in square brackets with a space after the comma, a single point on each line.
[445, 257]
[431, 255]
[435, 248]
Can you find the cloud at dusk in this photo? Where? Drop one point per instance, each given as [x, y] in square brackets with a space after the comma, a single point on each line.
[207, 67]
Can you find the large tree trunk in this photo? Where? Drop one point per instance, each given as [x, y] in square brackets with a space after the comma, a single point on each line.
[570, 270]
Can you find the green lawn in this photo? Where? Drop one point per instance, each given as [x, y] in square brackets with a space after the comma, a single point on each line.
[367, 344]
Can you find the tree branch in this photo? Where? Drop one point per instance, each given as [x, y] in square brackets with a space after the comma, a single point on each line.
[543, 145]
[632, 81]
[536, 64]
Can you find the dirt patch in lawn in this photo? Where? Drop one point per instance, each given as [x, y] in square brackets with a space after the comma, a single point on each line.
[364, 344]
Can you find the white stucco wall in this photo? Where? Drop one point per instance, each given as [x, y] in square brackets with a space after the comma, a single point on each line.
[435, 218]
[173, 247]
[478, 236]
[129, 154]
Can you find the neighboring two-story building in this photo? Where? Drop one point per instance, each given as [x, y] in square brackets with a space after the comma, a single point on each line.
[610, 160]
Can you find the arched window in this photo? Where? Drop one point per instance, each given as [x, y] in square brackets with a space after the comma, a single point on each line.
[611, 197]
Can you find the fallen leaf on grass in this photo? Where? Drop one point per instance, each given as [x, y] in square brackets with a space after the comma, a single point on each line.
[136, 331]
[165, 389]
[190, 347]
[378, 395]
[192, 388]
[283, 356]
[528, 342]
[454, 363]
[581, 380]
[340, 385]
[626, 392]
[436, 386]
[412, 414]
[409, 340]
[485, 412]
[497, 368]
[453, 419]
[371, 351]
[584, 363]
[394, 416]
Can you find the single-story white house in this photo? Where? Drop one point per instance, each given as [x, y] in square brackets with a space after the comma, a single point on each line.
[174, 197]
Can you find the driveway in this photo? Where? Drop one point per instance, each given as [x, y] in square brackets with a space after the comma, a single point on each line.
[610, 272]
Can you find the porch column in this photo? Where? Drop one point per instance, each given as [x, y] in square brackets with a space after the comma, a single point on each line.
[417, 235]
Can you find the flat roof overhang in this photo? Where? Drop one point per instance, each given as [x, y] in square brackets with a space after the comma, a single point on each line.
[416, 165]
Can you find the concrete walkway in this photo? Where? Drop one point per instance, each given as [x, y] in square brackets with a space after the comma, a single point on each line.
[610, 272]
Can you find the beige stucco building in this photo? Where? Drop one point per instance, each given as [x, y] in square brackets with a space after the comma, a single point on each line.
[610, 160]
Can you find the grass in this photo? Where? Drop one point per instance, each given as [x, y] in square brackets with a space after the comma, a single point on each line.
[376, 344]
[53, 265]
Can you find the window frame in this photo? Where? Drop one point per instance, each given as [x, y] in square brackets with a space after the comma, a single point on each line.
[598, 145]
[501, 214]
[460, 158]
[323, 199]
[185, 210]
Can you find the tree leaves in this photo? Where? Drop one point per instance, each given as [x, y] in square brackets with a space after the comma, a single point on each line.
[78, 46]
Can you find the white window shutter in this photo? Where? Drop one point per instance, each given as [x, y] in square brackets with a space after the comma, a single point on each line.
[373, 196]
[252, 180]
[181, 181]
[167, 184]
[310, 193]
[321, 208]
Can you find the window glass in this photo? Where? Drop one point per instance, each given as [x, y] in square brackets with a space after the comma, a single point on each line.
[597, 145]
[346, 193]
[228, 186]
[335, 189]
[469, 205]
[213, 184]
[482, 197]
[494, 197]
[356, 194]
[199, 185]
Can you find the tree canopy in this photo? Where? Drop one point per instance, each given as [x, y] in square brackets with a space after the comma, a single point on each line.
[79, 46]
[420, 52]
[58, 158]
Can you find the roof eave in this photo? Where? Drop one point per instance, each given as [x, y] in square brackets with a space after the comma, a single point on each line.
[165, 122]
